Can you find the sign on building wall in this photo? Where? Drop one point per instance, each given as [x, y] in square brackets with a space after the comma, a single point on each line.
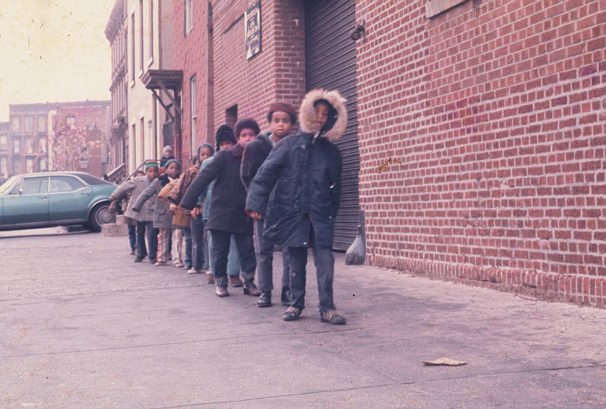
[252, 29]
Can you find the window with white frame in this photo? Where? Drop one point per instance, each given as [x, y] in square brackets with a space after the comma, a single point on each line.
[189, 20]
[15, 124]
[3, 167]
[42, 124]
[29, 145]
[141, 46]
[151, 31]
[193, 108]
[29, 165]
[29, 124]
[132, 48]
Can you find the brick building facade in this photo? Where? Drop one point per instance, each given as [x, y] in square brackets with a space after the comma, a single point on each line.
[4, 150]
[117, 35]
[480, 127]
[80, 136]
[27, 138]
[227, 85]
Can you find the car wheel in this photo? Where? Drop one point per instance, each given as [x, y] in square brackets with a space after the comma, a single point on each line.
[99, 216]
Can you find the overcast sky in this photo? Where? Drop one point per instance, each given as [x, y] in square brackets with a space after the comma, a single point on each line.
[53, 50]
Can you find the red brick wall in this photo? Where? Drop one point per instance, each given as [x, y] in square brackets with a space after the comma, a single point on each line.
[482, 140]
[190, 55]
[276, 73]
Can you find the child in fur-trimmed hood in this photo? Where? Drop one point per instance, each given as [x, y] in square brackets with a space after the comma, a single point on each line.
[302, 174]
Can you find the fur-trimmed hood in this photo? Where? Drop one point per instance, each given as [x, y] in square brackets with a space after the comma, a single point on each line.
[307, 113]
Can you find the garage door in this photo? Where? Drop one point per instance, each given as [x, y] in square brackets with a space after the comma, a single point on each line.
[331, 64]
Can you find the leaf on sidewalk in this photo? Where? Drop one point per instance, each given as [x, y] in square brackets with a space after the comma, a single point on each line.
[445, 362]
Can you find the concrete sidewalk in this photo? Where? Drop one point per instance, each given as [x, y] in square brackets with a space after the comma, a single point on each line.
[84, 327]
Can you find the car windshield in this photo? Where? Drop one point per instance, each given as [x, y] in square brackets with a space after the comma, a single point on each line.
[92, 180]
[8, 185]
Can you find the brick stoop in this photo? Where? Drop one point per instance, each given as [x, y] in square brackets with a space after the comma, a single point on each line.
[114, 230]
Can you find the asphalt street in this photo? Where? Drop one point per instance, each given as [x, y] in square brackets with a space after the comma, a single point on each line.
[82, 326]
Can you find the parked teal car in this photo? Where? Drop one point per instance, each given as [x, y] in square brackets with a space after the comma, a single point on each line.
[55, 199]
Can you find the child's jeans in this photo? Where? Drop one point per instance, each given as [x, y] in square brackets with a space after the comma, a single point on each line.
[177, 247]
[233, 258]
[147, 229]
[165, 239]
[197, 239]
[187, 253]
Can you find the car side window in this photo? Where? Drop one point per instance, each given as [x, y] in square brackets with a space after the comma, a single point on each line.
[64, 184]
[35, 185]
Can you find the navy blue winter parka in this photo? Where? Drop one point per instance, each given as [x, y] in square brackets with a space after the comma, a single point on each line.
[297, 189]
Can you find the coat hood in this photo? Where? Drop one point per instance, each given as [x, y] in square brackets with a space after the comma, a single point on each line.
[335, 127]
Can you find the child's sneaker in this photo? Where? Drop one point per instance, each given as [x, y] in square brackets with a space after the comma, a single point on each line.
[221, 292]
[251, 289]
[194, 271]
[210, 278]
[292, 314]
[235, 281]
[331, 317]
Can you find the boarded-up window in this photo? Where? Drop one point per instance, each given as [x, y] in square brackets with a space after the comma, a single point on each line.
[435, 7]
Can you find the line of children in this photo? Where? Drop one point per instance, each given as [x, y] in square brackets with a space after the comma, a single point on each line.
[288, 184]
[163, 219]
[227, 218]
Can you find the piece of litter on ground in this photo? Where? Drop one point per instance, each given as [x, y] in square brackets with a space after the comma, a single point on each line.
[445, 362]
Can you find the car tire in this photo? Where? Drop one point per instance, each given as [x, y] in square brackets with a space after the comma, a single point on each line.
[99, 216]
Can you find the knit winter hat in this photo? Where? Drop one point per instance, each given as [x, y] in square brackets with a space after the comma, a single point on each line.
[282, 107]
[150, 165]
[168, 162]
[224, 134]
[247, 123]
[166, 149]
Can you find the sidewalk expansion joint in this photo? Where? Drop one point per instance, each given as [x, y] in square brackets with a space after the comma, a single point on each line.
[142, 346]
[382, 385]
[59, 297]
